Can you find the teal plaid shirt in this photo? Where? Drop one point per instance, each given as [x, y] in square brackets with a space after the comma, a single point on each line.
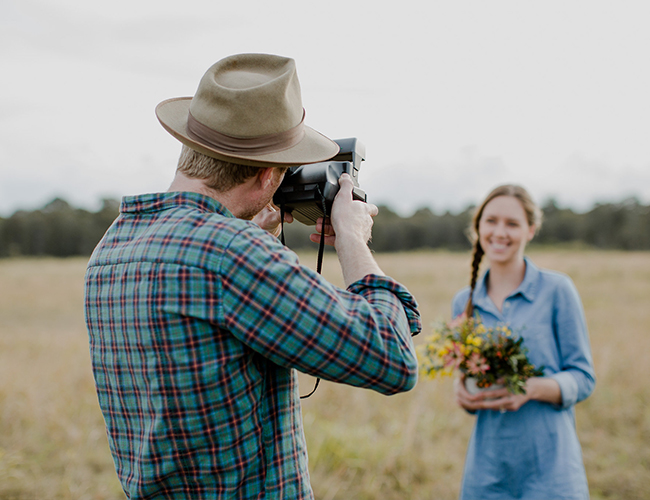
[197, 322]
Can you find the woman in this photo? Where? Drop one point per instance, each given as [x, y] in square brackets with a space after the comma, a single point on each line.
[525, 446]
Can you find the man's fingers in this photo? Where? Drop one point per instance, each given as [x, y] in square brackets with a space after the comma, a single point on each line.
[329, 230]
[346, 185]
[329, 239]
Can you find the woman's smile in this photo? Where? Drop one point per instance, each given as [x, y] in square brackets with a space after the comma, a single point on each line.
[503, 229]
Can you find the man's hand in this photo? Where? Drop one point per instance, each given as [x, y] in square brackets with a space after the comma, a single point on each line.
[351, 219]
[269, 219]
[349, 231]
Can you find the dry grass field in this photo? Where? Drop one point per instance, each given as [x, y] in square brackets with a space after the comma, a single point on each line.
[362, 445]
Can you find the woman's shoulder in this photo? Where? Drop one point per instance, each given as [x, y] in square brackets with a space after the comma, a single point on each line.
[554, 276]
[459, 301]
[555, 279]
[557, 284]
[463, 293]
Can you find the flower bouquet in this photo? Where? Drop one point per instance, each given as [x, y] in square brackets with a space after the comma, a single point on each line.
[491, 356]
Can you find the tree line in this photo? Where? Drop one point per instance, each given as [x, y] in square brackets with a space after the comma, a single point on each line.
[61, 230]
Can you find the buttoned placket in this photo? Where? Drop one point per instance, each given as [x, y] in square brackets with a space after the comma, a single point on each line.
[505, 311]
[504, 316]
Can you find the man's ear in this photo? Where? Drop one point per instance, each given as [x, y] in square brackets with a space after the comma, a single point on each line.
[265, 176]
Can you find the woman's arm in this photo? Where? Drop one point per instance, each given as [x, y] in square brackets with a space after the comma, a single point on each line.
[576, 377]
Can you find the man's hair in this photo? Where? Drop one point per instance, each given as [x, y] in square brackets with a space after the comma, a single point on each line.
[218, 175]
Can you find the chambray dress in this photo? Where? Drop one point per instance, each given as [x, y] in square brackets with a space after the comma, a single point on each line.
[533, 453]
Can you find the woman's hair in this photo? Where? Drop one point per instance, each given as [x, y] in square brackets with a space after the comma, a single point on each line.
[533, 217]
[219, 175]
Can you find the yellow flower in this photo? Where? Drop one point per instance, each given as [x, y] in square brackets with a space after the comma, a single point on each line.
[473, 340]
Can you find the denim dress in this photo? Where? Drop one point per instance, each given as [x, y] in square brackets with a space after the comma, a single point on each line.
[533, 453]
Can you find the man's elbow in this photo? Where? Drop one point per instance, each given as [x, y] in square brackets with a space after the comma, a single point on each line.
[406, 379]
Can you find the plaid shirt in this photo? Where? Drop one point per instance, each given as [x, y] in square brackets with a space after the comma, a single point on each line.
[197, 321]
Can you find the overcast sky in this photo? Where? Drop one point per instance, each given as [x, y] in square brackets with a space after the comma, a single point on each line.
[450, 98]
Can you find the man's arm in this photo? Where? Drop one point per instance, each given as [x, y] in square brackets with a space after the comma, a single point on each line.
[295, 318]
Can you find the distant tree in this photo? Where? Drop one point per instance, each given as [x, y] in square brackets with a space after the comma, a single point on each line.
[423, 229]
[96, 224]
[559, 225]
[624, 225]
[59, 229]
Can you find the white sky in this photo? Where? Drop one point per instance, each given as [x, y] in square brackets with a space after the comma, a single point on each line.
[450, 98]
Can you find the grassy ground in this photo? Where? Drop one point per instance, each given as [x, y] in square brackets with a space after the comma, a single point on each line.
[361, 445]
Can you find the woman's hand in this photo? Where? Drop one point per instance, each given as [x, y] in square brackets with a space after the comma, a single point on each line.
[537, 388]
[494, 399]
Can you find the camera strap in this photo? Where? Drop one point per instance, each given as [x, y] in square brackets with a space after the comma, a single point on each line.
[321, 249]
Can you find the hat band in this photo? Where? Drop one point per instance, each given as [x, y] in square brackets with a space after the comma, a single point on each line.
[246, 145]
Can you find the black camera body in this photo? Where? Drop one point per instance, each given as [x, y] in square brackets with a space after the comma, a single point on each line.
[306, 188]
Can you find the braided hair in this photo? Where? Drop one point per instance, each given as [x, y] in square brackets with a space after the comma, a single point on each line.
[533, 216]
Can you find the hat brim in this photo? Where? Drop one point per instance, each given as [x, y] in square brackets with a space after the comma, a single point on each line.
[314, 146]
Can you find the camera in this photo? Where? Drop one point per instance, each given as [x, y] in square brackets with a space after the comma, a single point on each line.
[308, 191]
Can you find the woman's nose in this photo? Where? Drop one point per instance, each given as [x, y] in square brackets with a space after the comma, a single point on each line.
[500, 229]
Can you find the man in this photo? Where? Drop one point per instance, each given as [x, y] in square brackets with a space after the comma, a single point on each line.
[198, 317]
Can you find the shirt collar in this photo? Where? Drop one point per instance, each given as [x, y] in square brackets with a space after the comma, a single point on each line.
[157, 202]
[527, 288]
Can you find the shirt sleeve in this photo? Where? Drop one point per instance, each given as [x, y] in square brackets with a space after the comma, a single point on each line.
[295, 318]
[576, 377]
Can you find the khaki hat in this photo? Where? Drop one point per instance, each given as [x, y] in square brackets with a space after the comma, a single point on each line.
[247, 110]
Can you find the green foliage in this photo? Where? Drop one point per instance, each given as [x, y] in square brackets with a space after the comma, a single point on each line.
[423, 229]
[57, 229]
[621, 226]
[61, 230]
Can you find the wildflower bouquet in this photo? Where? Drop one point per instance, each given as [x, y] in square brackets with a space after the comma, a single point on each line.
[489, 355]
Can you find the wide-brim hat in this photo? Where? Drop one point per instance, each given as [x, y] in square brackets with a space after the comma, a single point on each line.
[247, 110]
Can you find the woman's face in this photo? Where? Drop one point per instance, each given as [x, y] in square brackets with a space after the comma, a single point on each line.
[503, 230]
